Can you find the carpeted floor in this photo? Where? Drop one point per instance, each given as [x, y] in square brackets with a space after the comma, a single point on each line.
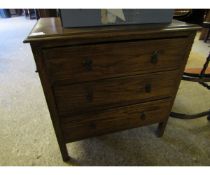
[27, 136]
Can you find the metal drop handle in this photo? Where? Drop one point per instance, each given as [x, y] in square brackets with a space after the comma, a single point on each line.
[142, 115]
[148, 87]
[154, 57]
[87, 63]
[89, 95]
[92, 125]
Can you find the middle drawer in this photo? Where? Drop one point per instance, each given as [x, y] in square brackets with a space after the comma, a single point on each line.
[114, 92]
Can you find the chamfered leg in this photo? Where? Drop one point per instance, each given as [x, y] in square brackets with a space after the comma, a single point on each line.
[161, 128]
[64, 152]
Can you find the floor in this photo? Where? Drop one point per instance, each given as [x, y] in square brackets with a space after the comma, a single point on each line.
[27, 136]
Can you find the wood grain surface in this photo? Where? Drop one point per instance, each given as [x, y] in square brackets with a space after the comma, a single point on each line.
[114, 92]
[102, 80]
[92, 62]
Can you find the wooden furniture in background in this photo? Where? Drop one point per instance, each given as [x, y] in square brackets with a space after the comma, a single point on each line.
[182, 13]
[206, 26]
[193, 16]
[45, 13]
[205, 30]
[40, 13]
[106, 79]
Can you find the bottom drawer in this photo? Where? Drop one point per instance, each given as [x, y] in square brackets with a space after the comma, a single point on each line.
[93, 124]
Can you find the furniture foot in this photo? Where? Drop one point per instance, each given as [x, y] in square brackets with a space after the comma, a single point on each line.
[66, 158]
[161, 129]
[64, 152]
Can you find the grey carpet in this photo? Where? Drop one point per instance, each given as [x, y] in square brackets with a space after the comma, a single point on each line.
[27, 136]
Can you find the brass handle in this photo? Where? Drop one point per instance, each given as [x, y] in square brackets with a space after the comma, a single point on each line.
[148, 87]
[143, 116]
[154, 57]
[89, 95]
[87, 63]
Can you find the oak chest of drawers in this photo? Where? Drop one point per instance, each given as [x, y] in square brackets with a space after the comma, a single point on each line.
[107, 79]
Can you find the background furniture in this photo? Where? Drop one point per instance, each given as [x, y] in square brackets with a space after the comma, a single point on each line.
[193, 16]
[201, 78]
[44, 13]
[107, 79]
[206, 26]
[205, 29]
[201, 17]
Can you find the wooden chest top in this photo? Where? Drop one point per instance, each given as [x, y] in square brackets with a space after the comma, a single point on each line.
[51, 29]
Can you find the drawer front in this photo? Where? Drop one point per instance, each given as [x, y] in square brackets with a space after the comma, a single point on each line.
[116, 119]
[92, 62]
[114, 92]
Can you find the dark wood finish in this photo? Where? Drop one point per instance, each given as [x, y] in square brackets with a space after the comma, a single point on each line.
[105, 79]
[50, 101]
[115, 119]
[207, 26]
[205, 31]
[126, 90]
[162, 125]
[92, 62]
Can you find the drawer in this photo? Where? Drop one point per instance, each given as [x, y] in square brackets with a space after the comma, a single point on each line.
[116, 119]
[93, 62]
[114, 92]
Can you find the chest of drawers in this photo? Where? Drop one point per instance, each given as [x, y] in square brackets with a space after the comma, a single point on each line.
[107, 79]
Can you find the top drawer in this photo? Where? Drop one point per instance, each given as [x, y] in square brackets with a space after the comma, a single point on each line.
[92, 62]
